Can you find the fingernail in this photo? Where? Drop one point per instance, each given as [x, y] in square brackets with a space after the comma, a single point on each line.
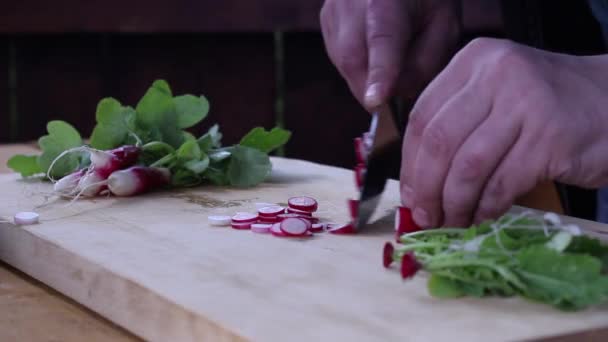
[372, 96]
[406, 196]
[421, 217]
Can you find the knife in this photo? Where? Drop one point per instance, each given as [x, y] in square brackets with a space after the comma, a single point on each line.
[384, 157]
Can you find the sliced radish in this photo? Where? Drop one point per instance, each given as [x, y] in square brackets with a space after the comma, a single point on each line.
[342, 229]
[269, 220]
[219, 220]
[271, 211]
[300, 212]
[305, 203]
[294, 226]
[359, 174]
[276, 230]
[359, 150]
[387, 254]
[353, 206]
[409, 265]
[26, 218]
[244, 218]
[404, 222]
[317, 227]
[261, 228]
[260, 205]
[241, 226]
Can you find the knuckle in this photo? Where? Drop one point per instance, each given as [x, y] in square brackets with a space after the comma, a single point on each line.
[469, 166]
[417, 123]
[436, 140]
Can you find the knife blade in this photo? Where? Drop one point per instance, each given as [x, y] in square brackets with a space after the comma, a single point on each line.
[386, 135]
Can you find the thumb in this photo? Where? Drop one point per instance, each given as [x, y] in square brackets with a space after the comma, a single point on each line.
[388, 32]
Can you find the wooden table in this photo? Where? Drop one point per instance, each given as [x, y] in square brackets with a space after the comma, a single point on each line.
[34, 312]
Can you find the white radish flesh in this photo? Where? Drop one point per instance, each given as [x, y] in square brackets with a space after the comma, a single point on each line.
[261, 228]
[244, 218]
[26, 218]
[317, 227]
[304, 203]
[276, 230]
[294, 226]
[219, 220]
[271, 211]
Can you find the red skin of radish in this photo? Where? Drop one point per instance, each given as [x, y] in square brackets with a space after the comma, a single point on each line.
[137, 179]
[299, 212]
[106, 162]
[317, 228]
[387, 254]
[294, 226]
[404, 222]
[359, 174]
[240, 226]
[359, 150]
[248, 218]
[409, 265]
[345, 229]
[303, 203]
[353, 206]
[271, 211]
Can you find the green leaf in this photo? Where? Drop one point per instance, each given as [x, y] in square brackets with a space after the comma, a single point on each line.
[443, 287]
[155, 150]
[197, 166]
[210, 139]
[25, 165]
[567, 281]
[248, 166]
[61, 137]
[112, 124]
[190, 110]
[189, 151]
[154, 107]
[184, 178]
[265, 141]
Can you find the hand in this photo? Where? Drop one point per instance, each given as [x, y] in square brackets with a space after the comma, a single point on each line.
[389, 46]
[500, 118]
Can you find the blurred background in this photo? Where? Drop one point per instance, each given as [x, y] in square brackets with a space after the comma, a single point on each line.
[259, 63]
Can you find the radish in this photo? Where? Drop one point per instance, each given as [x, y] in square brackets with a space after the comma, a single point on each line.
[106, 162]
[387, 254]
[68, 184]
[404, 223]
[241, 226]
[268, 220]
[360, 150]
[271, 211]
[26, 218]
[303, 203]
[317, 227]
[342, 229]
[137, 179]
[359, 175]
[244, 218]
[409, 265]
[276, 230]
[219, 220]
[294, 226]
[353, 206]
[299, 212]
[261, 228]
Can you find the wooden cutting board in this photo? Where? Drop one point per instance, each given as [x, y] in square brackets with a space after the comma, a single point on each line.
[153, 265]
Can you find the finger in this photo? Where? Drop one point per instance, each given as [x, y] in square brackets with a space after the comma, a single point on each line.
[438, 92]
[516, 175]
[473, 164]
[442, 137]
[388, 31]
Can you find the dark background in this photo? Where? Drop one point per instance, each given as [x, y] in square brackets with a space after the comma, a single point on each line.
[259, 62]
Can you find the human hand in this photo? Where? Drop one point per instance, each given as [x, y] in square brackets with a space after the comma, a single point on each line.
[500, 118]
[389, 46]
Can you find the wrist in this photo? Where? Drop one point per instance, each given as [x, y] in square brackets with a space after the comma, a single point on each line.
[481, 16]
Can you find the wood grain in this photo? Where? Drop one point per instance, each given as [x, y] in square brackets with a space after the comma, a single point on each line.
[154, 266]
[29, 16]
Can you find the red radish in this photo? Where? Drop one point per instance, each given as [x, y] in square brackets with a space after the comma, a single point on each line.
[241, 226]
[276, 230]
[304, 203]
[353, 206]
[294, 226]
[409, 265]
[317, 227]
[271, 211]
[268, 220]
[261, 228]
[68, 184]
[244, 218]
[387, 254]
[404, 222]
[137, 179]
[299, 212]
[342, 229]
[106, 162]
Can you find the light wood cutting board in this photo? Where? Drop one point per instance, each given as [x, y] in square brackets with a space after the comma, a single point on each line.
[154, 266]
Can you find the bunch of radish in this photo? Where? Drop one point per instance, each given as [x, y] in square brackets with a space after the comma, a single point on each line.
[112, 172]
[295, 220]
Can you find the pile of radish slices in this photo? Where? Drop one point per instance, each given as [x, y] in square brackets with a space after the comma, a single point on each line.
[296, 220]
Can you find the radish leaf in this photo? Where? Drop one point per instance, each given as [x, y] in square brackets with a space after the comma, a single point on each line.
[26, 165]
[61, 136]
[111, 129]
[247, 167]
[190, 110]
[266, 141]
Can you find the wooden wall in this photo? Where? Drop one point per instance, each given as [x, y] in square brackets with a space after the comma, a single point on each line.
[259, 62]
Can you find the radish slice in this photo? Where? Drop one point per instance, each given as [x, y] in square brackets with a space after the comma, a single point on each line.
[241, 226]
[304, 203]
[299, 212]
[219, 220]
[359, 174]
[317, 227]
[260, 205]
[261, 228]
[294, 226]
[269, 220]
[353, 206]
[244, 218]
[359, 150]
[276, 230]
[271, 211]
[26, 218]
[409, 265]
[404, 223]
[387, 254]
[342, 229]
